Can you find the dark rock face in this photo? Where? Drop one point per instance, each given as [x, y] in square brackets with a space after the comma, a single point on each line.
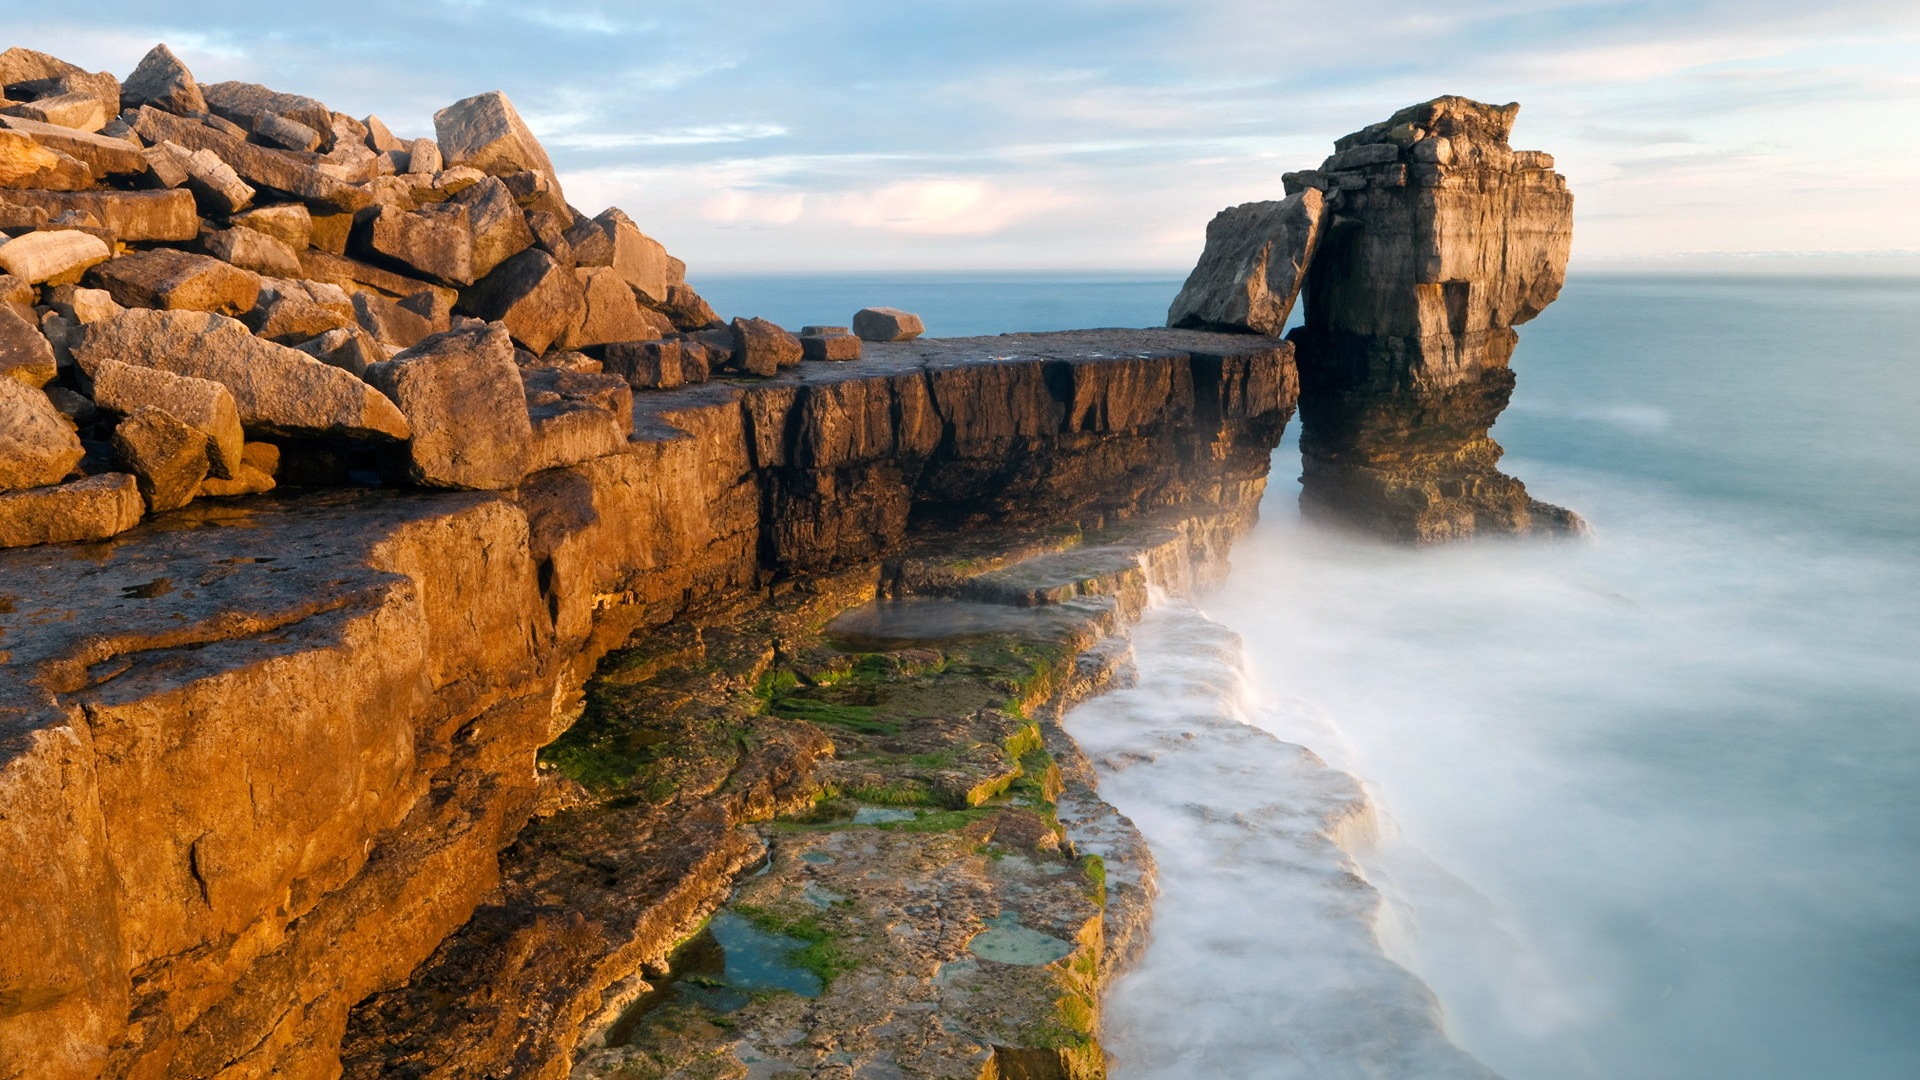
[1440, 240]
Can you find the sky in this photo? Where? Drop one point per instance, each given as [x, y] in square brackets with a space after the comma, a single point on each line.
[1102, 134]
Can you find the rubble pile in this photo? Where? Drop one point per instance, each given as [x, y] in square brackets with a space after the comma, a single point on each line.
[214, 290]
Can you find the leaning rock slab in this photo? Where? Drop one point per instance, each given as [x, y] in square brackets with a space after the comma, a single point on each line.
[54, 257]
[90, 509]
[202, 404]
[1250, 273]
[38, 446]
[887, 324]
[25, 353]
[461, 392]
[168, 457]
[278, 390]
[178, 281]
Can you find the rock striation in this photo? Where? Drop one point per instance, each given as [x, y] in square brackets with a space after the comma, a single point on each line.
[1432, 240]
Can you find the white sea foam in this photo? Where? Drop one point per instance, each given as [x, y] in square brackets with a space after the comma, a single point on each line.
[1265, 961]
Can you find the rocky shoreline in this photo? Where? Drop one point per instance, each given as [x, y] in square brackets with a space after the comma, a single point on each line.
[437, 645]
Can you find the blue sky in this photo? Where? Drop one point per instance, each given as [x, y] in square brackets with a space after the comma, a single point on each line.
[840, 134]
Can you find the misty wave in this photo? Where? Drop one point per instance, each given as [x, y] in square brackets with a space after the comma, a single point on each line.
[1265, 961]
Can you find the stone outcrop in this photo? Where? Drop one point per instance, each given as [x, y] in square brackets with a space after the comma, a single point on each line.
[1422, 242]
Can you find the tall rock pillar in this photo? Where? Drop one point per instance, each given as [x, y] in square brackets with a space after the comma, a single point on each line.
[1437, 239]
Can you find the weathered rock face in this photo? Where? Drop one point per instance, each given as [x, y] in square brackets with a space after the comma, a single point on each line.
[1440, 240]
[1253, 266]
[253, 775]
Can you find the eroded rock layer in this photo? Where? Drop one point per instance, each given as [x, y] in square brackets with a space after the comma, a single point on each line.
[256, 770]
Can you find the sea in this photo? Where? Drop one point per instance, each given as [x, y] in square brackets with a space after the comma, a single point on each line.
[1639, 806]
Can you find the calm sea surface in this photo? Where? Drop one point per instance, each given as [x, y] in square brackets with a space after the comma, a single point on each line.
[1648, 804]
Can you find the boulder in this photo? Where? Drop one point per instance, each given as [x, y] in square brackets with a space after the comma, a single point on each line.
[277, 130]
[350, 349]
[887, 324]
[73, 110]
[134, 216]
[828, 343]
[1252, 268]
[289, 223]
[168, 457]
[82, 306]
[389, 321]
[260, 166]
[535, 297]
[650, 365]
[485, 133]
[612, 312]
[462, 394]
[25, 354]
[612, 239]
[178, 281]
[435, 243]
[104, 155]
[354, 276]
[497, 225]
[201, 404]
[250, 250]
[290, 311]
[576, 416]
[278, 390]
[90, 509]
[763, 348]
[688, 311]
[258, 464]
[38, 445]
[423, 156]
[25, 163]
[380, 137]
[216, 187]
[36, 76]
[245, 103]
[53, 257]
[162, 81]
[550, 236]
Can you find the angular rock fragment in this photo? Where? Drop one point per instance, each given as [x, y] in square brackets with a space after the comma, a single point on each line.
[1251, 271]
[215, 185]
[497, 225]
[612, 313]
[763, 348]
[612, 239]
[551, 237]
[536, 298]
[688, 311]
[258, 464]
[250, 250]
[380, 137]
[38, 445]
[83, 306]
[290, 311]
[278, 390]
[829, 343]
[126, 215]
[162, 81]
[25, 163]
[202, 404]
[104, 155]
[91, 509]
[435, 242]
[25, 354]
[354, 275]
[178, 281]
[887, 324]
[329, 231]
[576, 416]
[167, 456]
[650, 365]
[462, 393]
[245, 103]
[82, 112]
[36, 77]
[350, 349]
[277, 130]
[423, 156]
[53, 257]
[289, 223]
[282, 171]
[484, 132]
[390, 322]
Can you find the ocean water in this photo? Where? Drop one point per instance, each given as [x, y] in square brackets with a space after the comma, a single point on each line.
[1645, 805]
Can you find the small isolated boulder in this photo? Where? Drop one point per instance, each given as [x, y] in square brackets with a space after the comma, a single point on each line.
[462, 393]
[26, 355]
[763, 348]
[202, 404]
[162, 81]
[829, 343]
[1254, 264]
[53, 257]
[38, 445]
[167, 456]
[178, 281]
[90, 509]
[887, 324]
[485, 132]
[535, 297]
[278, 390]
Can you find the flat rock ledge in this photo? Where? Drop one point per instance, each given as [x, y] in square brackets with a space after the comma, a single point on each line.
[259, 759]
